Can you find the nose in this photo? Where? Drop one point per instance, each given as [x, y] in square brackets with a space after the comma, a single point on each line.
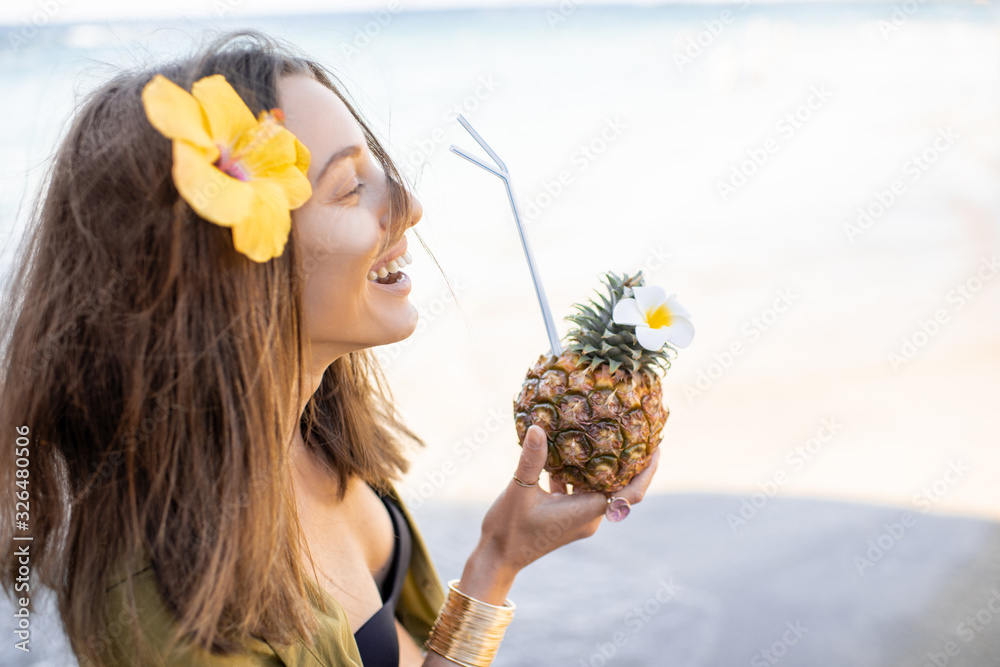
[416, 209]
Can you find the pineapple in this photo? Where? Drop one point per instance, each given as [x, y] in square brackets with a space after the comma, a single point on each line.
[600, 401]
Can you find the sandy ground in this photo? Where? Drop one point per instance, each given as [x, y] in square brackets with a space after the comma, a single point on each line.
[804, 583]
[672, 585]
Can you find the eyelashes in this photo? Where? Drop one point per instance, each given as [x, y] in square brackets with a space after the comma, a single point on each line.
[343, 197]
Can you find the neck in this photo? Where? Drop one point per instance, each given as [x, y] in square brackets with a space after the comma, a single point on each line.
[312, 479]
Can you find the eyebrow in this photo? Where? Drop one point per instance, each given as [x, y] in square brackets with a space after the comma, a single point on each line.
[343, 153]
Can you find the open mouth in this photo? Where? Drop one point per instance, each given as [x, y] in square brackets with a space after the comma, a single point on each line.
[391, 271]
[389, 279]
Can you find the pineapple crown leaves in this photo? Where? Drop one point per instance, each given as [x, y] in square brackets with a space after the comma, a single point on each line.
[598, 340]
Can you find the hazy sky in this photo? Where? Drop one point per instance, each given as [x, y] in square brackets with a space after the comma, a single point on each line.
[15, 11]
[67, 11]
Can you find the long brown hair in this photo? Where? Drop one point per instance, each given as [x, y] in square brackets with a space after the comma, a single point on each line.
[155, 371]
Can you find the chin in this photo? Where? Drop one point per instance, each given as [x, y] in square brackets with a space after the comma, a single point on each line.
[399, 328]
[410, 323]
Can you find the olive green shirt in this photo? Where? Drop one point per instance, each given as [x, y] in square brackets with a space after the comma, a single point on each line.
[334, 644]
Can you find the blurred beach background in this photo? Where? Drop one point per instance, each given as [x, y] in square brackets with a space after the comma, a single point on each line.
[816, 181]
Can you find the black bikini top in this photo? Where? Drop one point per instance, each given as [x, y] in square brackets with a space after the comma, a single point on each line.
[376, 639]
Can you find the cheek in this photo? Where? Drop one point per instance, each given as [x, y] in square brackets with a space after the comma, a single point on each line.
[327, 238]
[336, 253]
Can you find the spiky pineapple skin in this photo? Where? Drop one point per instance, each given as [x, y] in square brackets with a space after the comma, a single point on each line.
[602, 427]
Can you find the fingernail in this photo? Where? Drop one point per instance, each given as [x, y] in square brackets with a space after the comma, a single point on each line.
[534, 438]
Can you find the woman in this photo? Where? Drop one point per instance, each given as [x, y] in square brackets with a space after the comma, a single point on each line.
[207, 444]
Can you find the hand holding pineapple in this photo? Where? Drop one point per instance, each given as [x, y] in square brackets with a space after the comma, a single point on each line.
[591, 417]
[525, 523]
[600, 401]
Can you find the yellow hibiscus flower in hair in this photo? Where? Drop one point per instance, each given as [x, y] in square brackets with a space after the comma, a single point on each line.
[233, 169]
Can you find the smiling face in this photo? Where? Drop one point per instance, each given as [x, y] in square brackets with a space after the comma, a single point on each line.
[347, 235]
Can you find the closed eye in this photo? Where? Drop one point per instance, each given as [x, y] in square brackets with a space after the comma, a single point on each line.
[355, 191]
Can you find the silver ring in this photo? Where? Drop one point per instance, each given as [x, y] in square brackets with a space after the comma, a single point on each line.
[525, 484]
[618, 508]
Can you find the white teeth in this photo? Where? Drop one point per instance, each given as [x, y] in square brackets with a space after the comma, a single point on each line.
[392, 267]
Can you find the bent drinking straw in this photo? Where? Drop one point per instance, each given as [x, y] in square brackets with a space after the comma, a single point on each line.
[504, 175]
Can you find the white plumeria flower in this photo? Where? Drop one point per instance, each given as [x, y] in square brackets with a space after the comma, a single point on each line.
[657, 318]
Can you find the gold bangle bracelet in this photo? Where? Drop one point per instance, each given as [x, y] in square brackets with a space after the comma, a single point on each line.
[468, 631]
